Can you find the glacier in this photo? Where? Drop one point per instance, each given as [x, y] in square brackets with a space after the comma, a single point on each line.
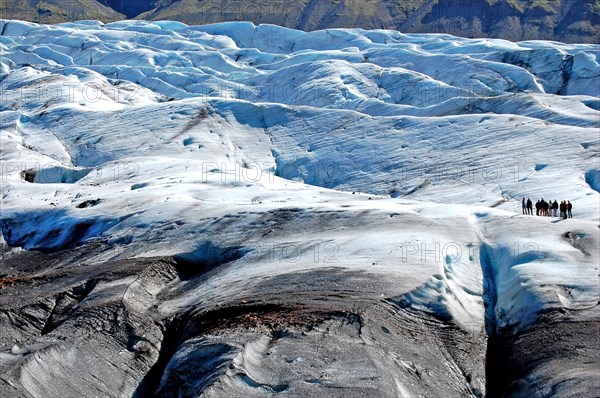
[241, 210]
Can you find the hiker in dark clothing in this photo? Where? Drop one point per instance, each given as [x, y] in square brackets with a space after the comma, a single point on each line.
[555, 208]
[524, 205]
[538, 207]
[529, 206]
[544, 207]
[569, 207]
[563, 210]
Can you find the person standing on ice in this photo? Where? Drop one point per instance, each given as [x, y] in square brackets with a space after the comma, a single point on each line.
[524, 205]
[555, 208]
[544, 211]
[538, 206]
[529, 207]
[569, 208]
[563, 210]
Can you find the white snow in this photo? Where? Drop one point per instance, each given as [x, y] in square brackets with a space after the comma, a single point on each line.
[373, 151]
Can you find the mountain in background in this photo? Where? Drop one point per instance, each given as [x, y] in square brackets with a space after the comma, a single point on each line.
[57, 11]
[562, 20]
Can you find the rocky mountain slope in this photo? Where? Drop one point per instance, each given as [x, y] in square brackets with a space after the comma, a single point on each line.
[561, 20]
[56, 11]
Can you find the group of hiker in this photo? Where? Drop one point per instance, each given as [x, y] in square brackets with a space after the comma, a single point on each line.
[550, 209]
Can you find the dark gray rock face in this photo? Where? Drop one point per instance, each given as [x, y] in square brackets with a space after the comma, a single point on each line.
[97, 330]
[132, 8]
[73, 329]
[548, 360]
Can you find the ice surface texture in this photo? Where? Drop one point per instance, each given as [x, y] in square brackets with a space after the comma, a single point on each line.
[236, 182]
